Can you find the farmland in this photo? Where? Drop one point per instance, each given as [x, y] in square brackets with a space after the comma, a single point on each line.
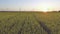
[29, 23]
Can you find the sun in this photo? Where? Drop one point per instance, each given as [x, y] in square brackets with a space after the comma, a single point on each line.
[46, 7]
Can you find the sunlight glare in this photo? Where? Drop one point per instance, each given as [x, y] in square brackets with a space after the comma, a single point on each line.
[46, 7]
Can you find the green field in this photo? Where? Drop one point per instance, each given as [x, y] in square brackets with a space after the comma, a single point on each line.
[29, 23]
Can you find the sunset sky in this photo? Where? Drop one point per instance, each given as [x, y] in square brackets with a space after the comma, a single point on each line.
[30, 5]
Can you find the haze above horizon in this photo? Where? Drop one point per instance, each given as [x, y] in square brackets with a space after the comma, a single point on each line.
[43, 5]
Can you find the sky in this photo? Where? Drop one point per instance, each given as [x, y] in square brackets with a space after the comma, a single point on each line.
[28, 5]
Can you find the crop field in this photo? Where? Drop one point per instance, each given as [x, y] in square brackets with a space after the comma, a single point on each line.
[29, 23]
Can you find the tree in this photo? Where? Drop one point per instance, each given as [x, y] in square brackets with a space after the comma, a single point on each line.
[59, 11]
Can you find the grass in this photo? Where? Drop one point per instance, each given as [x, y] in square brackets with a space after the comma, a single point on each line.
[27, 22]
